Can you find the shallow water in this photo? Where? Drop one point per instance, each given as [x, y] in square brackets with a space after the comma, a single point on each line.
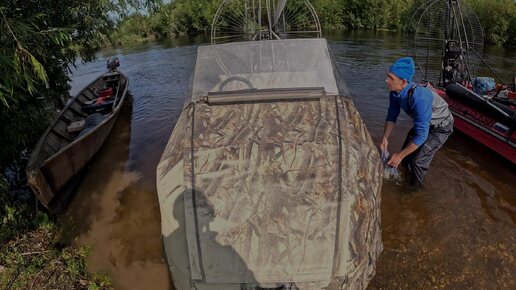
[460, 232]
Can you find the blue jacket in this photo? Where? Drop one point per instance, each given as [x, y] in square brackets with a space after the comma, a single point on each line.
[420, 110]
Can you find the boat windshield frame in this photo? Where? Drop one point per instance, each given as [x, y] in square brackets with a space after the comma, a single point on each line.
[271, 67]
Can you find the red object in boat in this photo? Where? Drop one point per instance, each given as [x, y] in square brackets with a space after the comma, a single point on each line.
[483, 128]
[100, 100]
[105, 93]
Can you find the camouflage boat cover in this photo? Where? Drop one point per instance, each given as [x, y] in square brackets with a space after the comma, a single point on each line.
[271, 192]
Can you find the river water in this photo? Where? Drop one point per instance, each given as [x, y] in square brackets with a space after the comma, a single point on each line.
[459, 233]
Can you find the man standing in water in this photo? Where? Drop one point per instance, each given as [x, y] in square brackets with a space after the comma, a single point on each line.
[433, 122]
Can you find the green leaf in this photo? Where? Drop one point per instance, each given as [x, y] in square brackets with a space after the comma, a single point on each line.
[3, 100]
[93, 286]
[39, 69]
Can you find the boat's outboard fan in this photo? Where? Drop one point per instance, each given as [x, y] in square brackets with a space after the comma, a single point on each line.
[446, 40]
[246, 20]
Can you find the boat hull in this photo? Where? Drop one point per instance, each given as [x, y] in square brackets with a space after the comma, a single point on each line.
[483, 127]
[50, 176]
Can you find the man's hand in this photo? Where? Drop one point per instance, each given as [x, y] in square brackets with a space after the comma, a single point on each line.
[383, 144]
[386, 133]
[395, 160]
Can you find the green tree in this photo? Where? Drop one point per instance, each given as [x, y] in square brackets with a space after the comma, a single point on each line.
[39, 41]
[330, 12]
[133, 28]
[498, 18]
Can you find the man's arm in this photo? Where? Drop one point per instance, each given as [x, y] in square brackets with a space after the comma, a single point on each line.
[392, 115]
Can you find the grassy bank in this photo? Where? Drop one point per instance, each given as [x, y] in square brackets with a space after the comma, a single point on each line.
[31, 254]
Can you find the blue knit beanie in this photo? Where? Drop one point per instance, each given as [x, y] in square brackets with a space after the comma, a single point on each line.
[404, 68]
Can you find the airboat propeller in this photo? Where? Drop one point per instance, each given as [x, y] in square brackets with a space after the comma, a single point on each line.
[248, 20]
[446, 33]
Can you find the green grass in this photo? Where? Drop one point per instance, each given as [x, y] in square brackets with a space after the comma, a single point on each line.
[32, 257]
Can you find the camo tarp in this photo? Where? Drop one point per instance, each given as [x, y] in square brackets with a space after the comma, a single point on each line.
[265, 193]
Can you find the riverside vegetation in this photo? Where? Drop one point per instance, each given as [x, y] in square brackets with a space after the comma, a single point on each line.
[40, 40]
[190, 17]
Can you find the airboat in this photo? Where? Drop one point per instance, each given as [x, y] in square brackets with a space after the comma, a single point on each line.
[446, 40]
[270, 179]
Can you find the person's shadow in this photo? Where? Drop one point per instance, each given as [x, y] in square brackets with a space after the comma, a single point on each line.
[218, 263]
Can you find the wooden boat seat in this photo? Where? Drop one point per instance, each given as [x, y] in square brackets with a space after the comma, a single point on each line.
[90, 94]
[76, 126]
[61, 135]
[77, 112]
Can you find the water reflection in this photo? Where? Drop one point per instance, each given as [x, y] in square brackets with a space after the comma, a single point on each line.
[459, 233]
[105, 215]
[153, 45]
